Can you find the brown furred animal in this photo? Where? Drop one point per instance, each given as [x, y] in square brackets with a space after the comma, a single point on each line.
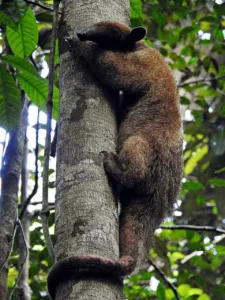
[148, 164]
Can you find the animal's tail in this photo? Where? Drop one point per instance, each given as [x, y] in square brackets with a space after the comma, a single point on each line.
[136, 235]
[86, 267]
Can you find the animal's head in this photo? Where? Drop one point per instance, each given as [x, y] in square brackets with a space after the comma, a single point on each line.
[112, 35]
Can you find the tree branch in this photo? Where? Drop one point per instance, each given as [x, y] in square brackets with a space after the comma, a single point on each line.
[11, 246]
[9, 196]
[49, 105]
[42, 5]
[201, 80]
[18, 224]
[25, 205]
[54, 141]
[198, 253]
[193, 227]
[163, 276]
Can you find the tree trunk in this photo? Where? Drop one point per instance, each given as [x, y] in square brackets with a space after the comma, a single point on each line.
[86, 221]
[23, 289]
[9, 197]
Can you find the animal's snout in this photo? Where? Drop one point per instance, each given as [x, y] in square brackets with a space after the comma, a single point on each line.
[82, 34]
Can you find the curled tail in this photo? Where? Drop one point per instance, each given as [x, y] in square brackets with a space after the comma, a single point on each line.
[87, 267]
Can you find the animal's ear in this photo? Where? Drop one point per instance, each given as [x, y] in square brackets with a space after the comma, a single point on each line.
[137, 34]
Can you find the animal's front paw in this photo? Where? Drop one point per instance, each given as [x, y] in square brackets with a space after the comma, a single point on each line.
[103, 153]
[110, 163]
[108, 157]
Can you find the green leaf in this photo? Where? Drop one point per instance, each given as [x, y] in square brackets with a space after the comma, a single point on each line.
[220, 289]
[220, 249]
[180, 63]
[37, 90]
[4, 19]
[217, 182]
[160, 292]
[192, 185]
[215, 210]
[184, 100]
[190, 234]
[201, 102]
[222, 110]
[20, 64]
[193, 61]
[210, 19]
[186, 30]
[9, 100]
[218, 33]
[24, 40]
[136, 9]
[158, 16]
[56, 58]
[177, 255]
[220, 170]
[13, 274]
[148, 42]
[188, 50]
[200, 201]
[219, 48]
[204, 297]
[15, 9]
[183, 289]
[195, 291]
[28, 80]
[198, 115]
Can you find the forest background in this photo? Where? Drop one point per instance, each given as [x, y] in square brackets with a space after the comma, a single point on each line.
[190, 35]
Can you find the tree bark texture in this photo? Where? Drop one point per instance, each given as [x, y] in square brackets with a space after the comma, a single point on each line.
[9, 197]
[23, 289]
[86, 220]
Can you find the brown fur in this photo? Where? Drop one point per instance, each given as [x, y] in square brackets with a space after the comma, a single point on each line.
[149, 162]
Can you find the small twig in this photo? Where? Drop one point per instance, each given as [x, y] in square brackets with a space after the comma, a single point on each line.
[54, 141]
[18, 224]
[199, 253]
[201, 80]
[163, 276]
[191, 255]
[36, 213]
[196, 143]
[42, 5]
[33, 62]
[37, 203]
[193, 227]
[220, 91]
[27, 202]
[49, 105]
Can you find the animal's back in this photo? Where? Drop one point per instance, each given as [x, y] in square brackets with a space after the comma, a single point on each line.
[148, 162]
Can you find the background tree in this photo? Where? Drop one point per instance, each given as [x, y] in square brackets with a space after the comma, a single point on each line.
[190, 34]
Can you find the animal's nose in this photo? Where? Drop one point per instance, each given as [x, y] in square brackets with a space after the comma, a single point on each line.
[81, 34]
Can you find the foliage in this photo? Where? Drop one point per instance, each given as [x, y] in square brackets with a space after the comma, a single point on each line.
[190, 35]
[21, 31]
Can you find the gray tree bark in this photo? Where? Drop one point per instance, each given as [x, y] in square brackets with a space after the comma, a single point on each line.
[23, 289]
[86, 221]
[9, 197]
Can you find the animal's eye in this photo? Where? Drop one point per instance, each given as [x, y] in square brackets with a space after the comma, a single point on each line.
[115, 31]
